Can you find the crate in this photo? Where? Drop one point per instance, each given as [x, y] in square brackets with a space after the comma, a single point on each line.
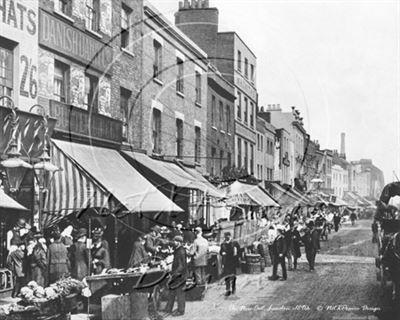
[196, 293]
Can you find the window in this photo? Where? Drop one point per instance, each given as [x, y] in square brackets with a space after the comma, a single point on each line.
[228, 159]
[197, 144]
[246, 110]
[246, 156]
[239, 60]
[157, 66]
[6, 73]
[251, 159]
[125, 96]
[252, 73]
[221, 160]
[228, 118]
[239, 153]
[246, 68]
[213, 110]
[125, 25]
[213, 155]
[258, 141]
[63, 6]
[179, 138]
[92, 14]
[90, 99]
[251, 114]
[179, 78]
[198, 87]
[261, 173]
[221, 114]
[61, 81]
[262, 143]
[156, 128]
[239, 106]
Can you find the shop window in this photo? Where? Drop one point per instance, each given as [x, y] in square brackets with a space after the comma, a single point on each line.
[198, 87]
[125, 26]
[91, 92]
[179, 78]
[157, 66]
[197, 144]
[6, 73]
[61, 81]
[125, 96]
[93, 15]
[156, 128]
[179, 138]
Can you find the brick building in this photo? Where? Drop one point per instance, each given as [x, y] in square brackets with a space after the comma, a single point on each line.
[236, 62]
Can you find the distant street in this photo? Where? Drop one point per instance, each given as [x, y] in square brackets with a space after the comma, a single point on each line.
[343, 286]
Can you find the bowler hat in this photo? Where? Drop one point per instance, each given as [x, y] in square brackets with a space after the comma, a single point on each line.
[97, 233]
[81, 232]
[178, 238]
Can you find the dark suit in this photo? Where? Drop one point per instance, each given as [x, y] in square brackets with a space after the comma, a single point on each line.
[37, 261]
[58, 261]
[176, 284]
[311, 245]
[229, 251]
[80, 260]
[279, 249]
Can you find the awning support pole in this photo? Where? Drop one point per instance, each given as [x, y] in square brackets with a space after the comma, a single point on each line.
[115, 241]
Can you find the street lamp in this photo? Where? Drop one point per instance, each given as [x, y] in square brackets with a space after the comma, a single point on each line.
[14, 166]
[44, 170]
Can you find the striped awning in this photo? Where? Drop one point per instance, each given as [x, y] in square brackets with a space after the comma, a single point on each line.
[71, 190]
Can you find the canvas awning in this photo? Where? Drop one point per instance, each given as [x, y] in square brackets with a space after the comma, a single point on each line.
[170, 172]
[95, 177]
[247, 194]
[286, 197]
[6, 202]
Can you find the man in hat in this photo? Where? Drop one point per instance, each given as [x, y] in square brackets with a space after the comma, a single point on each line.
[37, 260]
[279, 249]
[17, 233]
[152, 243]
[177, 281]
[139, 254]
[79, 256]
[59, 263]
[229, 253]
[311, 243]
[199, 252]
[15, 262]
[100, 253]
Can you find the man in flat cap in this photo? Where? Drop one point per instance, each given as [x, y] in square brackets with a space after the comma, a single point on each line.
[177, 281]
[229, 252]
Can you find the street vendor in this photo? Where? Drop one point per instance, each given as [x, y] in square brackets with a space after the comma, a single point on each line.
[100, 254]
[37, 261]
[139, 254]
[17, 233]
[79, 255]
[152, 243]
[199, 253]
[230, 254]
[58, 258]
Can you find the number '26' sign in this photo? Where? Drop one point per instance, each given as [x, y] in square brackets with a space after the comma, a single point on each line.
[28, 85]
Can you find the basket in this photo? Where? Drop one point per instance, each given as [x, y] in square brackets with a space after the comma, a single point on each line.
[254, 268]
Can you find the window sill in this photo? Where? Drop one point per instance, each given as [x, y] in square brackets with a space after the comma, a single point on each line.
[158, 81]
[63, 15]
[96, 34]
[198, 104]
[178, 93]
[128, 52]
[212, 127]
[229, 134]
[222, 131]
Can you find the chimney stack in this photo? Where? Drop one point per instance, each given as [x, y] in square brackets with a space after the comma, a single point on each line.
[343, 145]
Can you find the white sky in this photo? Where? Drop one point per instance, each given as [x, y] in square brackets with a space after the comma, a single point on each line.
[337, 61]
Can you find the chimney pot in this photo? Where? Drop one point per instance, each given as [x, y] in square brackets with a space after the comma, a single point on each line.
[206, 3]
[186, 4]
[180, 5]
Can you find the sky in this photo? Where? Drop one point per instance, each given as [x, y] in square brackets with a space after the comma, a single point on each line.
[337, 61]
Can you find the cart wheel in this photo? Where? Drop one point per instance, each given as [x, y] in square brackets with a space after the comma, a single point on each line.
[156, 297]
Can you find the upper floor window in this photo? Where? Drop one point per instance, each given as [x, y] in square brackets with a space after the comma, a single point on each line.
[246, 68]
[239, 106]
[221, 114]
[125, 96]
[93, 15]
[6, 73]
[239, 60]
[239, 153]
[125, 26]
[179, 78]
[251, 114]
[61, 81]
[246, 110]
[198, 87]
[63, 6]
[197, 143]
[179, 138]
[228, 118]
[157, 65]
[156, 131]
[90, 98]
[252, 72]
[213, 109]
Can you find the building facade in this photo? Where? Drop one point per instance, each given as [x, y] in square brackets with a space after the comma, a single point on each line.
[366, 179]
[221, 123]
[340, 180]
[236, 62]
[265, 151]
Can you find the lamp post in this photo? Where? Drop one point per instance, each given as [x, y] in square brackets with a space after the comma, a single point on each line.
[44, 170]
[14, 166]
